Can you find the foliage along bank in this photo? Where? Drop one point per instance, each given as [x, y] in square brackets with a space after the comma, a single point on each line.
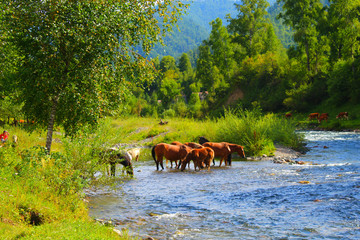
[42, 194]
[245, 63]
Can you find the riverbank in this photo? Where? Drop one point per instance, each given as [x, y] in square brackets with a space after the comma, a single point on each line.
[281, 153]
[51, 201]
[247, 200]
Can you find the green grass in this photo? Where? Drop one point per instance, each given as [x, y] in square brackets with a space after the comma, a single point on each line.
[67, 229]
[332, 124]
[41, 195]
[256, 132]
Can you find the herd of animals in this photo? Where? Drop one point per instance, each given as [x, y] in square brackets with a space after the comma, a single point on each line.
[202, 154]
[322, 116]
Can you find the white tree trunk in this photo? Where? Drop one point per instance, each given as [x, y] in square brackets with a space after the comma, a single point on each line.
[50, 128]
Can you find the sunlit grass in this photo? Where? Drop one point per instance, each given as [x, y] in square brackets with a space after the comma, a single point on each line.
[50, 186]
[257, 133]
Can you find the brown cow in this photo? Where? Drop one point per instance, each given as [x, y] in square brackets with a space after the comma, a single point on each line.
[193, 145]
[236, 148]
[188, 145]
[221, 150]
[201, 157]
[323, 116]
[170, 152]
[288, 115]
[342, 115]
[314, 116]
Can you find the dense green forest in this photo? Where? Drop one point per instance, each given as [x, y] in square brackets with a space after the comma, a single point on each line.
[194, 27]
[65, 66]
[292, 56]
[287, 56]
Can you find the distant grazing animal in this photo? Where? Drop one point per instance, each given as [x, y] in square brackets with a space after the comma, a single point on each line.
[343, 115]
[323, 116]
[288, 115]
[15, 141]
[314, 116]
[163, 122]
[200, 156]
[170, 152]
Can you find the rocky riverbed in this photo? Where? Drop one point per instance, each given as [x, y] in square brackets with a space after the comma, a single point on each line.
[282, 155]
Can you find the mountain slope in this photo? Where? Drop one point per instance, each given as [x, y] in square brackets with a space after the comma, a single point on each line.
[194, 27]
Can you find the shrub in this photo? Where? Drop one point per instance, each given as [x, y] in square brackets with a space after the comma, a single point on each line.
[169, 113]
[255, 132]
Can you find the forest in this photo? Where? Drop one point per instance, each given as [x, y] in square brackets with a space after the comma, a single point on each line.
[291, 56]
[77, 77]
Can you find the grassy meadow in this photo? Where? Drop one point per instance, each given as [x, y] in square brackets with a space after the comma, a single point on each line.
[333, 124]
[41, 195]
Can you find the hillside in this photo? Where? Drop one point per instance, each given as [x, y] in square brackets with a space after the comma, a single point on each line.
[194, 27]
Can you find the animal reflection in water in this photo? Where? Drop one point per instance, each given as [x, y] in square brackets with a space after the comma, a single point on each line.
[170, 152]
[124, 158]
[223, 150]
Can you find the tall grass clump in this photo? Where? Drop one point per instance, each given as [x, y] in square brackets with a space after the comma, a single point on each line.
[86, 151]
[188, 130]
[256, 132]
[38, 188]
[41, 194]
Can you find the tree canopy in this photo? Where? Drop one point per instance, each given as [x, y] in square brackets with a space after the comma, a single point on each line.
[78, 56]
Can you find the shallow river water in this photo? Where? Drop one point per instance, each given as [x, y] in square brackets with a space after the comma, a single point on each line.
[249, 200]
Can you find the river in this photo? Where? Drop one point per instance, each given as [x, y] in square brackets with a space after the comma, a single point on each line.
[249, 200]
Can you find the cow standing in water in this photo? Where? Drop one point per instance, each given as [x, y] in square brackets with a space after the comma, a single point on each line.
[112, 157]
[170, 152]
[201, 157]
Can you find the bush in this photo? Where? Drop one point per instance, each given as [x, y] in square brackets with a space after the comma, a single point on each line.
[339, 84]
[169, 113]
[255, 132]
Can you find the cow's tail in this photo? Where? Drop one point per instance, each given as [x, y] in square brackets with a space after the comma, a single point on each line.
[154, 157]
[153, 153]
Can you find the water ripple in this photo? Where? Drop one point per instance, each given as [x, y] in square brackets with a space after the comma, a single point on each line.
[249, 200]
